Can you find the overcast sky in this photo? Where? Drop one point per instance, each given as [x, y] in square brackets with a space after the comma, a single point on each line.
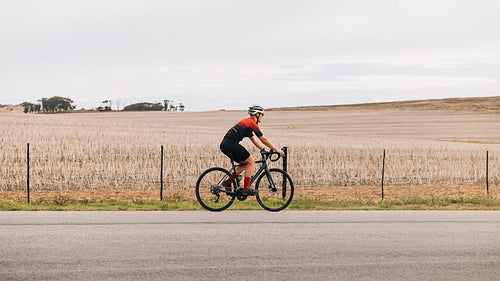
[214, 54]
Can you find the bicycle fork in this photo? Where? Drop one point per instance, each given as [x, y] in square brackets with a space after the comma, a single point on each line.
[272, 185]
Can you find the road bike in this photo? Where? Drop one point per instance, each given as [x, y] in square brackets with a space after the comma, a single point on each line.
[274, 186]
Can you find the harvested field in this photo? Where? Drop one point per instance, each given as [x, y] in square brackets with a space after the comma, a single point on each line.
[329, 149]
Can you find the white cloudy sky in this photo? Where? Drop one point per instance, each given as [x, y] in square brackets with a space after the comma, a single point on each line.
[213, 54]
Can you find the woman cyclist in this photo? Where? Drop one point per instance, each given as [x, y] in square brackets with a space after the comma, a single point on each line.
[231, 146]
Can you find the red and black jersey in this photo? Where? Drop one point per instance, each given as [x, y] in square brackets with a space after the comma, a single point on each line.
[244, 128]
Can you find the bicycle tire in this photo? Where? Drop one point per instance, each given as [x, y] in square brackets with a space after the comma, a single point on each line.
[269, 197]
[209, 192]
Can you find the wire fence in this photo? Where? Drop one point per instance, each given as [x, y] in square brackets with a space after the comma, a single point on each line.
[163, 167]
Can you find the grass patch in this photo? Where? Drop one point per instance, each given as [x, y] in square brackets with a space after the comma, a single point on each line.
[66, 203]
[57, 204]
[460, 202]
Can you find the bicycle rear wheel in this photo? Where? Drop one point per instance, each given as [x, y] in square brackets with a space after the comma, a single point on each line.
[275, 190]
[210, 192]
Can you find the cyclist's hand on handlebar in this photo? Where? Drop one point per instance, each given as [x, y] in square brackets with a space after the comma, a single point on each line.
[281, 152]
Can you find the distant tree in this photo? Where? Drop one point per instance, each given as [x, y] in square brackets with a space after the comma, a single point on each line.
[107, 106]
[57, 104]
[31, 107]
[166, 103]
[170, 106]
[26, 106]
[45, 104]
[144, 106]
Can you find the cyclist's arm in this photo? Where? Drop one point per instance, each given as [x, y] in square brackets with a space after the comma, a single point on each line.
[256, 142]
[268, 143]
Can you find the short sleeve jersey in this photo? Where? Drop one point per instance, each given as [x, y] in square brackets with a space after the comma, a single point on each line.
[244, 128]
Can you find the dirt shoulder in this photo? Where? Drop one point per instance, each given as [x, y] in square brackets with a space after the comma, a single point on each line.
[322, 193]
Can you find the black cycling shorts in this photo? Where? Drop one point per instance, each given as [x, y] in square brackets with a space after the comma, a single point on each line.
[234, 150]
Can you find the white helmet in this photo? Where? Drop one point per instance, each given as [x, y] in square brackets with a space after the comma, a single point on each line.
[254, 109]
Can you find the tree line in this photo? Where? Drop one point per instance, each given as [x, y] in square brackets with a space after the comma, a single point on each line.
[60, 104]
[49, 105]
[167, 105]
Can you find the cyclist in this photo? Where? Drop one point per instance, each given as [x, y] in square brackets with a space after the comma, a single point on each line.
[231, 146]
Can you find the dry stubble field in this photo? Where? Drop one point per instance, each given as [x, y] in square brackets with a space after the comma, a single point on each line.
[332, 153]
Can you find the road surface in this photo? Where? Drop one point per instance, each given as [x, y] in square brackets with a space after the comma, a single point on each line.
[250, 245]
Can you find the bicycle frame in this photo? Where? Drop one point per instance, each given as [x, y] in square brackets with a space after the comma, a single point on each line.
[263, 168]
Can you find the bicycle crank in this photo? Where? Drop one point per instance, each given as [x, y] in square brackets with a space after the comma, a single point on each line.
[240, 196]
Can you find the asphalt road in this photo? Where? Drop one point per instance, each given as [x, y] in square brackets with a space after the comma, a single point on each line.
[257, 245]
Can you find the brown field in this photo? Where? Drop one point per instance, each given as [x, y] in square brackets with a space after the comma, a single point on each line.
[461, 104]
[322, 193]
[333, 152]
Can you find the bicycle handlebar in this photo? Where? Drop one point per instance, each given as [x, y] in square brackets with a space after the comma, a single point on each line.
[269, 155]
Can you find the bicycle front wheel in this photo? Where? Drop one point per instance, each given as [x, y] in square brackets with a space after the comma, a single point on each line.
[275, 190]
[210, 192]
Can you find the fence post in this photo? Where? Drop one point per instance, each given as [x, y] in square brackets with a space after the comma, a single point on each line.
[285, 159]
[161, 175]
[28, 171]
[383, 171]
[487, 187]
[285, 166]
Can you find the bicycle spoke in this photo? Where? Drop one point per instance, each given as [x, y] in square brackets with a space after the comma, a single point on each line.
[210, 192]
[275, 190]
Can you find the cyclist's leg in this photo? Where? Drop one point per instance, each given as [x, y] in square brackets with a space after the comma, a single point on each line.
[243, 157]
[237, 153]
[242, 168]
[249, 169]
